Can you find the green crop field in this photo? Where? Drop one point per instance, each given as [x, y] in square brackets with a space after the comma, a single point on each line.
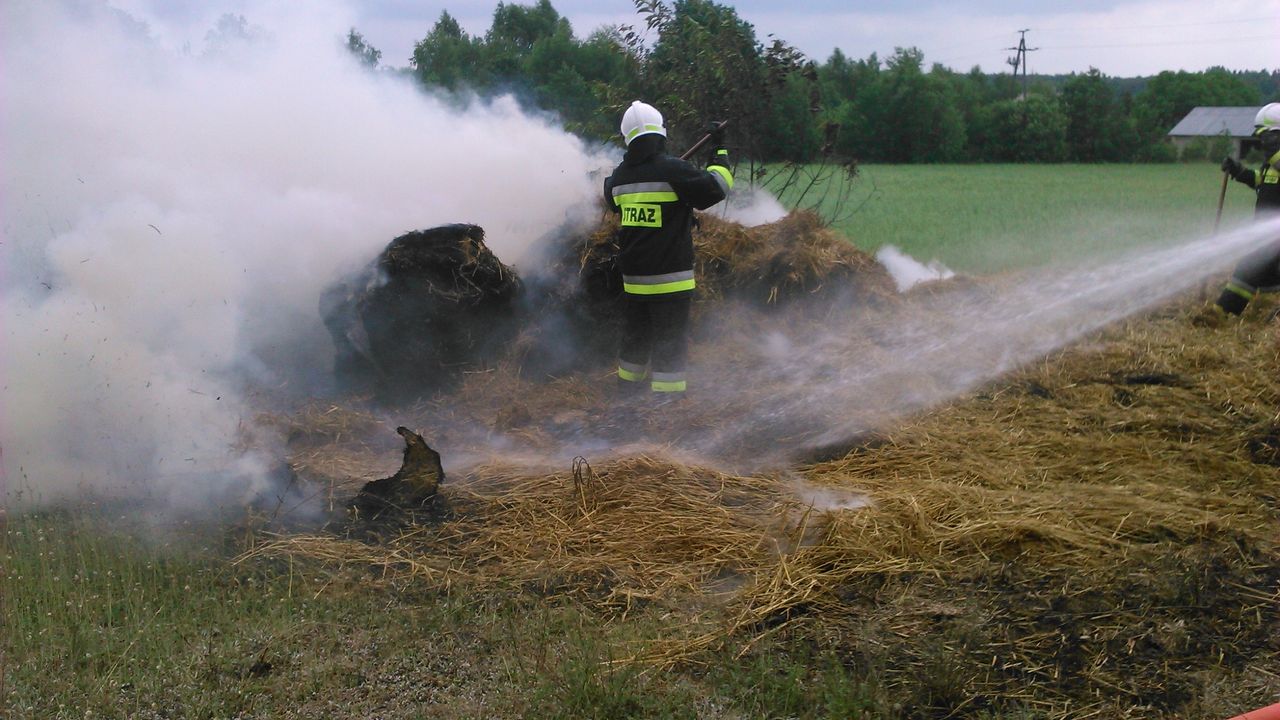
[988, 218]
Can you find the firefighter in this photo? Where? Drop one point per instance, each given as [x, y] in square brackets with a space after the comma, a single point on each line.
[655, 195]
[1259, 271]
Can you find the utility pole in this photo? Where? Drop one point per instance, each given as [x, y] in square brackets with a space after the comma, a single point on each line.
[1020, 60]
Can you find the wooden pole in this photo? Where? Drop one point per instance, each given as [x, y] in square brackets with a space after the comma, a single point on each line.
[698, 145]
[1217, 220]
[1222, 196]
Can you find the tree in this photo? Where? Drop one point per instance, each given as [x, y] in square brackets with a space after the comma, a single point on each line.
[230, 33]
[837, 79]
[790, 132]
[521, 27]
[706, 64]
[849, 90]
[1095, 129]
[1025, 130]
[908, 115]
[365, 53]
[447, 56]
[514, 33]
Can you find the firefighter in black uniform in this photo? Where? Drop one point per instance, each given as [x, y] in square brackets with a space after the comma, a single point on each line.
[655, 195]
[1259, 271]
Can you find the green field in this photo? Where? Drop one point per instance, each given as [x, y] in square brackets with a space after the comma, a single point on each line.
[987, 218]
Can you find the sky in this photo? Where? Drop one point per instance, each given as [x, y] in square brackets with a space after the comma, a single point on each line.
[1121, 38]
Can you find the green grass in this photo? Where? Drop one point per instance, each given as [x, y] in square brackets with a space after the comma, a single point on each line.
[989, 218]
[102, 619]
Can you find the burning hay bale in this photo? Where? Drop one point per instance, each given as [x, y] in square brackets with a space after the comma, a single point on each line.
[437, 302]
[433, 303]
[575, 307]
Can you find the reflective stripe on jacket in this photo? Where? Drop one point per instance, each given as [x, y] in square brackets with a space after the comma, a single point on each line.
[1266, 183]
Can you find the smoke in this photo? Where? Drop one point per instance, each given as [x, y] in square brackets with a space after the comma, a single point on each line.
[170, 217]
[823, 385]
[907, 272]
[752, 207]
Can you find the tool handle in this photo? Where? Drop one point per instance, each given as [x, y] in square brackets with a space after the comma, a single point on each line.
[1222, 196]
[698, 145]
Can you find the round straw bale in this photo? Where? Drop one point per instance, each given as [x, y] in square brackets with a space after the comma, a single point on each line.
[433, 303]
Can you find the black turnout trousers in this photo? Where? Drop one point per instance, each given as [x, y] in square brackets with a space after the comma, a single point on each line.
[655, 334]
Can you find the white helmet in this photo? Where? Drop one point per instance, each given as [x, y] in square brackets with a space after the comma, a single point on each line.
[641, 119]
[1268, 118]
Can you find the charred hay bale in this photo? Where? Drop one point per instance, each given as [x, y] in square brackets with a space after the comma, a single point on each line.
[575, 307]
[433, 303]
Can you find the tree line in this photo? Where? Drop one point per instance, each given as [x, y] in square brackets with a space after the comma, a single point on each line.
[698, 61]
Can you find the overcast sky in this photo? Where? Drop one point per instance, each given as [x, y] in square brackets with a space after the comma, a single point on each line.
[1119, 37]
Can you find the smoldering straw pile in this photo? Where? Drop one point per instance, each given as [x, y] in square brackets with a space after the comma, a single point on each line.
[1150, 445]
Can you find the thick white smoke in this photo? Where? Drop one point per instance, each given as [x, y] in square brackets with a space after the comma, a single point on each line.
[907, 272]
[751, 207]
[170, 217]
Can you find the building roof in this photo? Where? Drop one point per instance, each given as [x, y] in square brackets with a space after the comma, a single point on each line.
[1207, 121]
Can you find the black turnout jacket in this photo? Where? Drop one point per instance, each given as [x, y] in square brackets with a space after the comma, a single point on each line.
[655, 194]
[1266, 182]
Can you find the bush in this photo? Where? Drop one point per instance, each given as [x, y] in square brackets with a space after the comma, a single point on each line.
[1160, 151]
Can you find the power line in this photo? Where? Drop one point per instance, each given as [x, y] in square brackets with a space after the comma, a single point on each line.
[974, 43]
[1094, 27]
[1216, 41]
[1160, 44]
[1020, 60]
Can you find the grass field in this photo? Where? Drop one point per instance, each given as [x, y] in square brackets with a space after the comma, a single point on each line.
[111, 617]
[105, 618]
[986, 218]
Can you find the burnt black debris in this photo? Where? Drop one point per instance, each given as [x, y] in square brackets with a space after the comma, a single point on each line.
[413, 487]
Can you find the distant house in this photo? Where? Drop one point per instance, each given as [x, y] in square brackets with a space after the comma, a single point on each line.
[1210, 122]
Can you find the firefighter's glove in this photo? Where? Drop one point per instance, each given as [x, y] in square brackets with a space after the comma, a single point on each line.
[716, 131]
[1231, 166]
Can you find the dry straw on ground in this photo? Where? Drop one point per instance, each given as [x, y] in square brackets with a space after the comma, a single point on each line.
[1126, 489]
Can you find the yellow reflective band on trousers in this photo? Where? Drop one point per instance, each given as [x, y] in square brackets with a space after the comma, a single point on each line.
[630, 375]
[658, 284]
[668, 382]
[662, 289]
[1242, 291]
